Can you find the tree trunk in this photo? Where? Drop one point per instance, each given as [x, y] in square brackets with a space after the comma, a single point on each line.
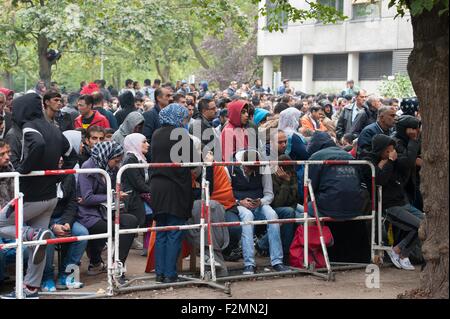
[197, 53]
[428, 69]
[45, 67]
[163, 72]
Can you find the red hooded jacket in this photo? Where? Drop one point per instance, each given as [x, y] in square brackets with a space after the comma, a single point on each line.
[98, 120]
[234, 137]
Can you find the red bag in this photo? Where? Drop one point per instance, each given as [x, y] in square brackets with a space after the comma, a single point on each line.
[315, 254]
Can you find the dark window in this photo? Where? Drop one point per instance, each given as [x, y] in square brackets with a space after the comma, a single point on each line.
[366, 9]
[400, 61]
[330, 67]
[374, 65]
[291, 67]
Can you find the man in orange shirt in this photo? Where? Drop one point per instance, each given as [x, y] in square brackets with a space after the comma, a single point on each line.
[312, 120]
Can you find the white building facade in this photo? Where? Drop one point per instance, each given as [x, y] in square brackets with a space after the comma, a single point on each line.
[315, 57]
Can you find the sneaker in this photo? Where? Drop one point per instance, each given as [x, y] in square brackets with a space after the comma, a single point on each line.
[123, 280]
[395, 258]
[234, 255]
[208, 262]
[159, 278]
[48, 285]
[61, 282]
[65, 281]
[169, 280]
[27, 294]
[249, 270]
[281, 268]
[96, 269]
[39, 250]
[405, 263]
[137, 245]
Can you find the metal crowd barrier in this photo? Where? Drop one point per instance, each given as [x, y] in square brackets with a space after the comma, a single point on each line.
[19, 243]
[205, 215]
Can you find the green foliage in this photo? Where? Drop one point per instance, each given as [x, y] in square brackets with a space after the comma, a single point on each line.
[416, 7]
[397, 87]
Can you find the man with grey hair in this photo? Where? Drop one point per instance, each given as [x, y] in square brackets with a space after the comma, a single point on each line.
[383, 125]
[368, 116]
[349, 113]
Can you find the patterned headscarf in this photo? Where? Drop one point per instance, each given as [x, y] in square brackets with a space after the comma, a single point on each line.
[103, 152]
[173, 115]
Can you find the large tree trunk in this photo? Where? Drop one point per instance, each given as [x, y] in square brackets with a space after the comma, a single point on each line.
[45, 67]
[197, 53]
[428, 69]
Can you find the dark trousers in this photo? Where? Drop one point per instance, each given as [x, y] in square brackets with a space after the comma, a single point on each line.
[95, 247]
[235, 232]
[167, 245]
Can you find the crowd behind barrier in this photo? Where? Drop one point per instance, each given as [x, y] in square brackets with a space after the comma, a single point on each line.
[77, 145]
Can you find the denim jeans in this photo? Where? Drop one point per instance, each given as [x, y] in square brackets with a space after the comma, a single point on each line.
[235, 232]
[167, 245]
[73, 251]
[286, 230]
[264, 212]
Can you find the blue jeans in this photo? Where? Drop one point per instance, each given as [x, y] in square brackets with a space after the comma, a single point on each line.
[235, 232]
[264, 212]
[73, 251]
[167, 245]
[414, 211]
[286, 230]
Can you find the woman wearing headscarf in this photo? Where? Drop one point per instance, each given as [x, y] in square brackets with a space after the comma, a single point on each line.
[171, 188]
[296, 143]
[136, 180]
[92, 214]
[133, 123]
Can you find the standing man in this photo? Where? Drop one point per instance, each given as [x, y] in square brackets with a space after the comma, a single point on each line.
[350, 89]
[43, 146]
[98, 99]
[128, 87]
[232, 89]
[367, 117]
[151, 118]
[282, 89]
[349, 113]
[203, 127]
[88, 116]
[52, 111]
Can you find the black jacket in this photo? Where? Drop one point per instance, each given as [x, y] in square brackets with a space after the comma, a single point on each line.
[66, 209]
[133, 179]
[151, 124]
[14, 140]
[363, 119]
[171, 188]
[43, 146]
[408, 151]
[389, 177]
[8, 122]
[127, 106]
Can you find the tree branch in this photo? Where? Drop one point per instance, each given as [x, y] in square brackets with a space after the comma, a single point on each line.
[197, 53]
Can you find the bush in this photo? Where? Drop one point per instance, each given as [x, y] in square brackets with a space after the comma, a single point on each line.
[397, 86]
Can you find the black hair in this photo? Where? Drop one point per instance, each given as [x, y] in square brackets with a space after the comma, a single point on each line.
[158, 93]
[178, 96]
[157, 81]
[349, 138]
[109, 130]
[203, 104]
[50, 95]
[97, 97]
[3, 142]
[92, 129]
[315, 108]
[221, 103]
[128, 82]
[280, 107]
[87, 98]
[147, 82]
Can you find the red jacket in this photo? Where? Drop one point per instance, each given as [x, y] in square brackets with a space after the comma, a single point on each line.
[98, 120]
[234, 137]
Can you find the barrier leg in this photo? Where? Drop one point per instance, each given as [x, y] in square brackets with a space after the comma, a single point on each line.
[19, 241]
[305, 216]
[210, 243]
[202, 229]
[111, 267]
[322, 241]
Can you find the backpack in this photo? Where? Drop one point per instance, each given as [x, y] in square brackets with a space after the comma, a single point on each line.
[315, 254]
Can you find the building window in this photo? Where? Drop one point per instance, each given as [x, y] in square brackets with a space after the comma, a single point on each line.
[366, 9]
[292, 67]
[337, 4]
[374, 65]
[271, 15]
[400, 61]
[330, 67]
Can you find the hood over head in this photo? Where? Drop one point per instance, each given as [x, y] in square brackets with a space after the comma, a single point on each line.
[27, 108]
[260, 114]
[319, 141]
[380, 142]
[289, 120]
[131, 121]
[404, 122]
[234, 112]
[6, 91]
[74, 138]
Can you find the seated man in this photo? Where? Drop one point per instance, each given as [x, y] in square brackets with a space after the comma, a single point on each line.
[63, 224]
[94, 134]
[253, 192]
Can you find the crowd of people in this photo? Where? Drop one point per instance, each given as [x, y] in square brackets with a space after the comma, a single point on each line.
[99, 127]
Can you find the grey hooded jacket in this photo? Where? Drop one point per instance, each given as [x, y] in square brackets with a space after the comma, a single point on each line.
[127, 127]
